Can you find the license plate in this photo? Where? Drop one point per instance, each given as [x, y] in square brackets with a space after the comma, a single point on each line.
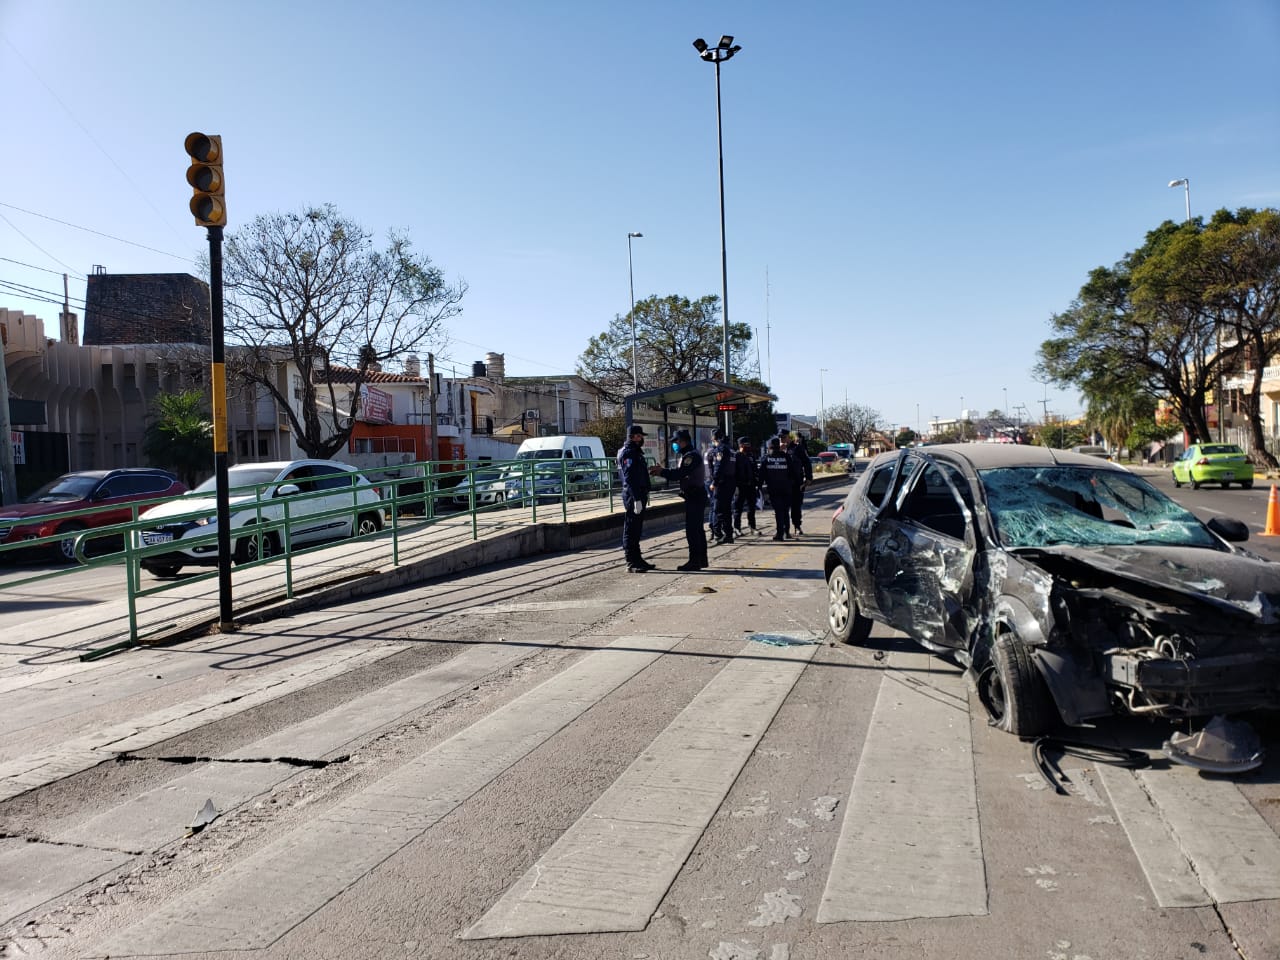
[151, 539]
[1228, 475]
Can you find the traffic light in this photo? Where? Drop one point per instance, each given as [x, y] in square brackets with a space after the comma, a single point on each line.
[208, 202]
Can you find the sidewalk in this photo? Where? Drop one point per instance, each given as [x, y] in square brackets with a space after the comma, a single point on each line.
[44, 624]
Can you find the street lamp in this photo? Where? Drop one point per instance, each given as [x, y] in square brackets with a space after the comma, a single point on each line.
[962, 417]
[635, 369]
[722, 51]
[1186, 186]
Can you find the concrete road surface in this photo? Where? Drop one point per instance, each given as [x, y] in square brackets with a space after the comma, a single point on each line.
[555, 758]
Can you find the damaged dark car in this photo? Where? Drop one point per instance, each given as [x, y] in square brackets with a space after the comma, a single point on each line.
[1070, 588]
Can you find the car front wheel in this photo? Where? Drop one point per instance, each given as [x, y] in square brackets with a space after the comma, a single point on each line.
[1014, 692]
[1176, 482]
[253, 548]
[67, 545]
[847, 624]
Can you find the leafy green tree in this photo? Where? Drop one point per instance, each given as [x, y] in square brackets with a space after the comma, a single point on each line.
[611, 429]
[1238, 264]
[1146, 431]
[756, 421]
[310, 288]
[1147, 328]
[677, 340]
[179, 436]
[906, 436]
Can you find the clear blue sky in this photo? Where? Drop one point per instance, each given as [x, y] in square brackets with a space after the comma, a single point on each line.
[923, 183]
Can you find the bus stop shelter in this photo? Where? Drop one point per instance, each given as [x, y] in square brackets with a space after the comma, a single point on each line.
[705, 399]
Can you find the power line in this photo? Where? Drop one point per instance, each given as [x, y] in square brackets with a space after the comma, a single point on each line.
[87, 133]
[76, 226]
[32, 242]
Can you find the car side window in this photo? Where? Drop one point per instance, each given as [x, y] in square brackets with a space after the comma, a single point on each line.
[302, 478]
[112, 488]
[932, 504]
[332, 480]
[152, 483]
[878, 484]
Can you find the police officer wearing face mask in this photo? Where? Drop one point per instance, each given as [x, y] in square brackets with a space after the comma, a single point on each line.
[690, 474]
[635, 497]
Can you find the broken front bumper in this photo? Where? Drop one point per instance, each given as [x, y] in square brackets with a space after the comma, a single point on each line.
[1195, 686]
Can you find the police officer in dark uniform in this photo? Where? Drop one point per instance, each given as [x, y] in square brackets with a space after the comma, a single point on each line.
[800, 455]
[782, 475]
[690, 474]
[634, 474]
[723, 468]
[748, 484]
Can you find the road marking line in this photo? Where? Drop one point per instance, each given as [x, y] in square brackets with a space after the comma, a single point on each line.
[910, 845]
[1229, 853]
[254, 902]
[610, 870]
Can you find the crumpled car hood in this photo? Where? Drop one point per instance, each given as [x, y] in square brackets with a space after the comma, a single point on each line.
[1237, 583]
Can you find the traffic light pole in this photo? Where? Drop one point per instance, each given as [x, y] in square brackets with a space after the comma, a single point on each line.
[219, 384]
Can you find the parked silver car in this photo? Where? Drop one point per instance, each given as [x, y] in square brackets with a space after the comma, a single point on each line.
[313, 490]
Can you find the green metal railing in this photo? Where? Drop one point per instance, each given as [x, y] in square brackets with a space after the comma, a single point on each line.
[430, 488]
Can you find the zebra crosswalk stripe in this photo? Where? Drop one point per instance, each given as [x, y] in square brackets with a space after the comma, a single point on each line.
[262, 897]
[610, 870]
[910, 845]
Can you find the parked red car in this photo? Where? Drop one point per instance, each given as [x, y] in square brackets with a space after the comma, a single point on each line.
[109, 493]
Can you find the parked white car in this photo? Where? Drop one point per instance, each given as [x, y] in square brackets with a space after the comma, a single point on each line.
[311, 488]
[490, 486]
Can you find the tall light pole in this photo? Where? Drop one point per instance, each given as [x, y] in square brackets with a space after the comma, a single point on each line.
[722, 51]
[1186, 186]
[822, 405]
[962, 416]
[635, 369]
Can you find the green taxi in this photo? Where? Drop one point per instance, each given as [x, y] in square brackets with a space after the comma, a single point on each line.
[1223, 463]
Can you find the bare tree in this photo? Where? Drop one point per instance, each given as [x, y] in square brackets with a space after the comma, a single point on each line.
[309, 288]
[851, 423]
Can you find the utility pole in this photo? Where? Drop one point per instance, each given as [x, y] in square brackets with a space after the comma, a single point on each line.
[8, 479]
[431, 404]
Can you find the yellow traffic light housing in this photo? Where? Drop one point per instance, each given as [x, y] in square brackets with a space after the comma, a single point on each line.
[208, 200]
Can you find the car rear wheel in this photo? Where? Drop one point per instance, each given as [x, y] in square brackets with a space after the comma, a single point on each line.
[847, 624]
[367, 524]
[1246, 484]
[251, 548]
[1014, 692]
[1195, 484]
[66, 551]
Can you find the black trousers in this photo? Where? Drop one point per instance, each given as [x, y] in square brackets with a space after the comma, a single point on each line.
[781, 500]
[797, 503]
[632, 530]
[746, 499]
[694, 531]
[722, 512]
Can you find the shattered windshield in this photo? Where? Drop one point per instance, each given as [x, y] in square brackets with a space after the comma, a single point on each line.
[1078, 506]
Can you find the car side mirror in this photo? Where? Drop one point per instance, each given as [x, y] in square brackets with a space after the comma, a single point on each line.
[1233, 531]
[287, 490]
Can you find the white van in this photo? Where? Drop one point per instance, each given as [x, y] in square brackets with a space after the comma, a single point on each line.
[576, 462]
[561, 448]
